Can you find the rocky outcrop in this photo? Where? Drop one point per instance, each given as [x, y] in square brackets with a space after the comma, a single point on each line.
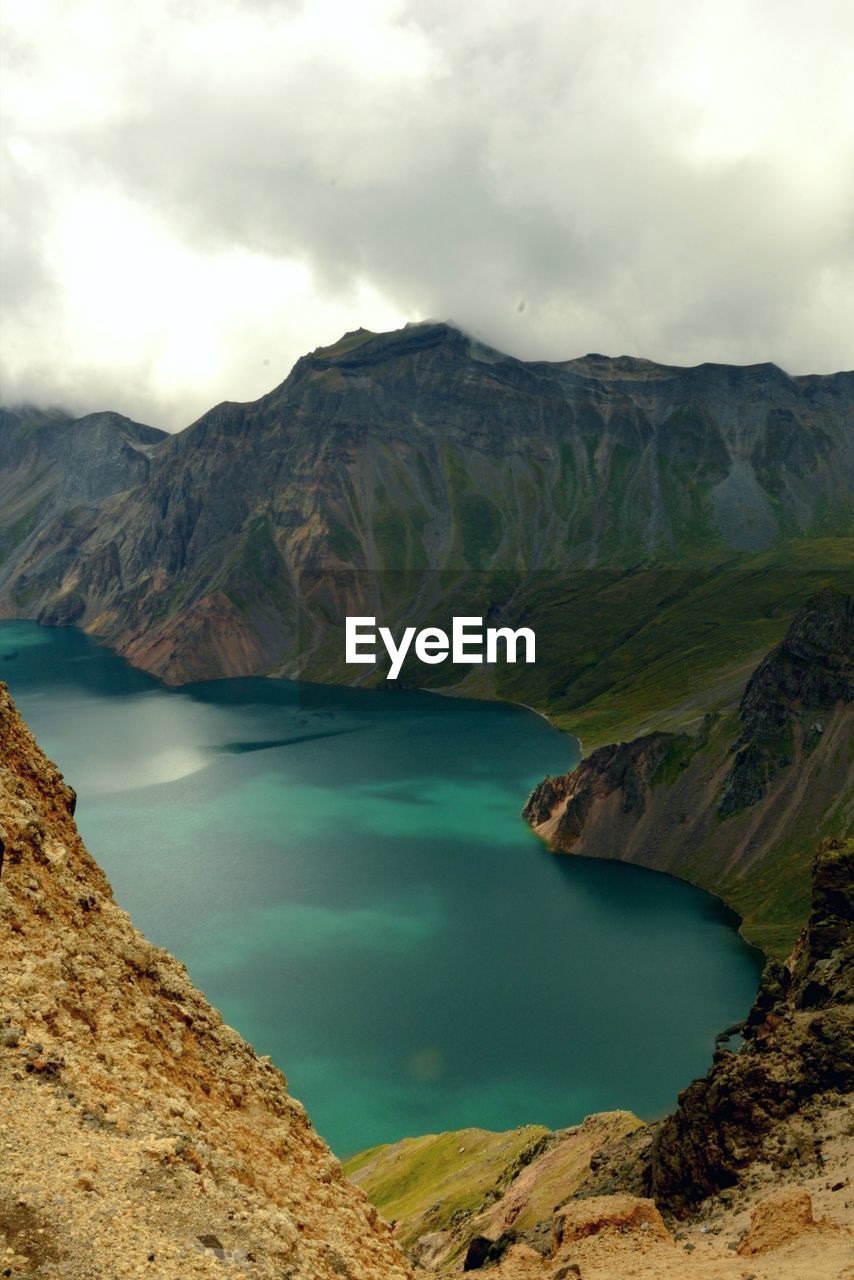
[141, 1135]
[402, 468]
[811, 671]
[797, 1058]
[559, 808]
[778, 1219]
[733, 806]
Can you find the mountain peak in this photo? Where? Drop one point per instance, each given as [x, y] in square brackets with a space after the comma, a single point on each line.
[364, 347]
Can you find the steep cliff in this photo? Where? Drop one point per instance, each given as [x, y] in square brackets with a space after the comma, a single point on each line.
[141, 1136]
[734, 806]
[767, 1100]
[416, 472]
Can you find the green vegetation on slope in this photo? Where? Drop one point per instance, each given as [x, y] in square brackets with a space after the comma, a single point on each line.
[621, 654]
[428, 1181]
[472, 1182]
[733, 804]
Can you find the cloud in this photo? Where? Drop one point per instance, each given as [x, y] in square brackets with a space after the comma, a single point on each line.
[193, 194]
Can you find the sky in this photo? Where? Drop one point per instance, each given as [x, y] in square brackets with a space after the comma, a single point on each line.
[193, 193]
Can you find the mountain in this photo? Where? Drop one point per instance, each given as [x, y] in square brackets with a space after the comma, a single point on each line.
[663, 529]
[736, 1182]
[418, 473]
[732, 806]
[75, 459]
[141, 1135]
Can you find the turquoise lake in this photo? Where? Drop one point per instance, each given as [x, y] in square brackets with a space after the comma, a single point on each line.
[347, 877]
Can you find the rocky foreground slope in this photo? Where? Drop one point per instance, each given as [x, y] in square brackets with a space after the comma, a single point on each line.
[139, 1135]
[737, 805]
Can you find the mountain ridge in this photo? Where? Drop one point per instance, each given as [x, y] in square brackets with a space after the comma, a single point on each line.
[414, 470]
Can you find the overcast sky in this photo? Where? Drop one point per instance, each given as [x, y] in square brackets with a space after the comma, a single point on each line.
[195, 192]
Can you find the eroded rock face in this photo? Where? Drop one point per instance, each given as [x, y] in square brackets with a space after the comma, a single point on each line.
[811, 671]
[626, 768]
[589, 1216]
[714, 807]
[139, 1128]
[798, 1051]
[778, 1219]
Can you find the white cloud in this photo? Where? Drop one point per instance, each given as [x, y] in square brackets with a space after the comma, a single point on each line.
[192, 189]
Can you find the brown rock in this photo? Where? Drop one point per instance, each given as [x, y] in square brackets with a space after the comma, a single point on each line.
[589, 1217]
[777, 1219]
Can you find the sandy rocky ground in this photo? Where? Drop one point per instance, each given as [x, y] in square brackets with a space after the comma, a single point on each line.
[140, 1136]
[794, 1223]
[783, 1234]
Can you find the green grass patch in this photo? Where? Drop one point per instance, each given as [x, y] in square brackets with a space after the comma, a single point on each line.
[425, 1182]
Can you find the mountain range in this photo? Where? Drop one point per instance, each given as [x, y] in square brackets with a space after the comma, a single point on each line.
[419, 473]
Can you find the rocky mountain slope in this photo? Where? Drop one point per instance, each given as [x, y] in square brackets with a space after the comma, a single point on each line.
[140, 1136]
[751, 1176]
[412, 474]
[767, 1100]
[51, 465]
[734, 805]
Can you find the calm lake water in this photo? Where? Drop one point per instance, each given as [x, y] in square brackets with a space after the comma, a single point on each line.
[346, 875]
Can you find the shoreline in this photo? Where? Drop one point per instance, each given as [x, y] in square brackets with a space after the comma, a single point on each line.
[452, 692]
